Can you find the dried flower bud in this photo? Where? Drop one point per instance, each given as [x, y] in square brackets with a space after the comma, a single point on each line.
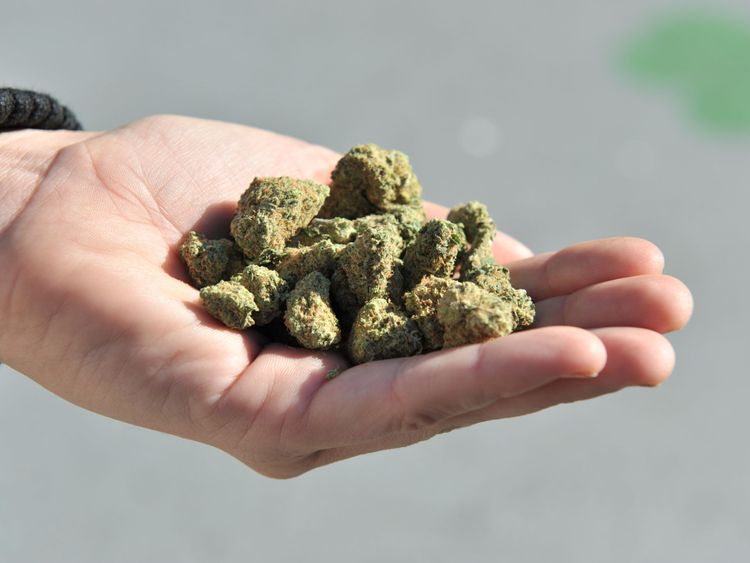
[371, 262]
[237, 262]
[376, 221]
[492, 277]
[207, 260]
[380, 331]
[524, 310]
[410, 219]
[480, 233]
[268, 289]
[369, 178]
[345, 302]
[295, 263]
[272, 211]
[434, 251]
[231, 303]
[471, 314]
[337, 230]
[422, 302]
[496, 279]
[309, 316]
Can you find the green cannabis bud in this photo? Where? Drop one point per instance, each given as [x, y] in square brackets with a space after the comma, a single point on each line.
[268, 289]
[434, 251]
[337, 230]
[357, 267]
[272, 211]
[409, 219]
[369, 178]
[422, 304]
[208, 260]
[471, 314]
[295, 263]
[309, 316]
[480, 232]
[231, 303]
[380, 331]
[371, 263]
[496, 279]
[345, 301]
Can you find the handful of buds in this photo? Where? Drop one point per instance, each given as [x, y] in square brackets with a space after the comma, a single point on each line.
[356, 266]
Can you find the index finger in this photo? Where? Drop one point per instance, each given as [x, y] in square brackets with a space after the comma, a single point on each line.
[505, 247]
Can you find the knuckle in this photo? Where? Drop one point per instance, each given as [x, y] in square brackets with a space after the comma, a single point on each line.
[417, 421]
[411, 417]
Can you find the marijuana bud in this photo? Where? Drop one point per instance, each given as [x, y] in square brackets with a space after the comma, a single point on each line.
[268, 288]
[496, 279]
[295, 263]
[434, 251]
[368, 178]
[480, 232]
[410, 219]
[207, 260]
[230, 303]
[372, 261]
[380, 331]
[337, 230]
[345, 302]
[422, 303]
[309, 316]
[272, 211]
[471, 314]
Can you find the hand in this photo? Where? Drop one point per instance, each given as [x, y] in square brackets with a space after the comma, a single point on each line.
[96, 307]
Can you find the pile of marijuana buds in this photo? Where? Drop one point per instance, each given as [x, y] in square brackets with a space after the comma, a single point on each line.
[356, 266]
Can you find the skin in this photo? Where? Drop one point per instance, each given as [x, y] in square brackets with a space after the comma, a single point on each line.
[96, 307]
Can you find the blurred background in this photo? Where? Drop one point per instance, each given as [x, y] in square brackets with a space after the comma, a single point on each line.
[572, 120]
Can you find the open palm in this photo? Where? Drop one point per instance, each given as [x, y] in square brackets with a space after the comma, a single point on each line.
[97, 308]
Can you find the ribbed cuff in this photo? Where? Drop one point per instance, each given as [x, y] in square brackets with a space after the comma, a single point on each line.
[26, 109]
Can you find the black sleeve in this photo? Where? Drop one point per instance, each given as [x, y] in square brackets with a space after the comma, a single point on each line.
[22, 109]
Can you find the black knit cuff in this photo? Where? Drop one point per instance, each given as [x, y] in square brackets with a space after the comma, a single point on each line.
[24, 109]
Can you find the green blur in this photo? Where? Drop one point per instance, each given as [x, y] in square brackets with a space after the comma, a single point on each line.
[702, 57]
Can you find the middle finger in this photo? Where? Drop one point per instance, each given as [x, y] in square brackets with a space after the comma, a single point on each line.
[583, 264]
[656, 302]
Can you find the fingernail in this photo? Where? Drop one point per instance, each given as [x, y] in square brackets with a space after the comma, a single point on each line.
[586, 375]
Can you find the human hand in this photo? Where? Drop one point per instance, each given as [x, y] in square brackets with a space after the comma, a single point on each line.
[96, 307]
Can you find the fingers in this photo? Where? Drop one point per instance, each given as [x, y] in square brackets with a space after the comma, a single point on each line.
[635, 357]
[404, 395]
[408, 400]
[659, 303]
[507, 249]
[583, 264]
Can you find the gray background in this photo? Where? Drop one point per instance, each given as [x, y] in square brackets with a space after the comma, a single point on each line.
[517, 104]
